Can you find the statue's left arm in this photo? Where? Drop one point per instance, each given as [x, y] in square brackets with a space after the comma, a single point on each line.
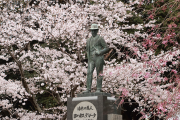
[87, 48]
[104, 46]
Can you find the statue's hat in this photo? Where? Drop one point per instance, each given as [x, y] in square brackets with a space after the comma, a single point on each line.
[94, 27]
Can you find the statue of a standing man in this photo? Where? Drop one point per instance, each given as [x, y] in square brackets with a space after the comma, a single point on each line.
[96, 47]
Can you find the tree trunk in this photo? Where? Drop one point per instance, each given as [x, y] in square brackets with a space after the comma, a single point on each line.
[24, 83]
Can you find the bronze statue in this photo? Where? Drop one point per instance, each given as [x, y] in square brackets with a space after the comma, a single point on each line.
[96, 47]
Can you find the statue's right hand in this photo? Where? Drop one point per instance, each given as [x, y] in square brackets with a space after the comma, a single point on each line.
[97, 52]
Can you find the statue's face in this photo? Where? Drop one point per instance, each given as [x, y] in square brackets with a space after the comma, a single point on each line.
[94, 32]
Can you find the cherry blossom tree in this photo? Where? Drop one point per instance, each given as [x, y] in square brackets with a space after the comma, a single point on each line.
[45, 45]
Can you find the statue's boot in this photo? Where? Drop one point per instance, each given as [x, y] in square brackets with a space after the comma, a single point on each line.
[99, 84]
[87, 91]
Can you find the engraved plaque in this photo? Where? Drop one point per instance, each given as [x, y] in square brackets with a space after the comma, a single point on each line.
[85, 111]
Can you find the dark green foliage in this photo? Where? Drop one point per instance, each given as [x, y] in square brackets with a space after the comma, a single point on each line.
[134, 20]
[127, 110]
[4, 113]
[124, 1]
[158, 50]
[4, 61]
[130, 31]
[35, 2]
[30, 74]
[13, 74]
[46, 100]
[91, 2]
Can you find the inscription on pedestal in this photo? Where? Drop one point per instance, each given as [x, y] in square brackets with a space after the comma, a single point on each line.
[85, 111]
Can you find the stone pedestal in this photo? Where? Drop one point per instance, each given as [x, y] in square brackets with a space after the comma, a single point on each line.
[114, 117]
[92, 108]
[94, 94]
